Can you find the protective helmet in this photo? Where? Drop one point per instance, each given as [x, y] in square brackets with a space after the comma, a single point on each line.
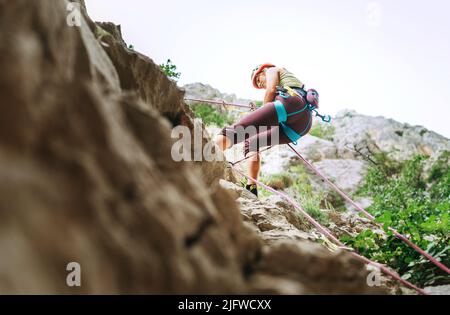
[258, 70]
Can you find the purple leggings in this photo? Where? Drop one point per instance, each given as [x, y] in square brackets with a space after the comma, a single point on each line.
[265, 131]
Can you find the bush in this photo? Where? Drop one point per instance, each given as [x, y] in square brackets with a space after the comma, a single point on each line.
[417, 206]
[211, 116]
[170, 70]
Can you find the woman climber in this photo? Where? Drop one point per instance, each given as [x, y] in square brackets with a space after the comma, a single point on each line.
[285, 116]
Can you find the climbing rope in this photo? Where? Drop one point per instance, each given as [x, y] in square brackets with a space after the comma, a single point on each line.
[223, 103]
[330, 236]
[252, 155]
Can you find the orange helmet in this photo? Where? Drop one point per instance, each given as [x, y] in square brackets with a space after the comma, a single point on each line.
[258, 70]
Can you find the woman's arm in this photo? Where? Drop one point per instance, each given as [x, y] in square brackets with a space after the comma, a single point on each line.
[272, 81]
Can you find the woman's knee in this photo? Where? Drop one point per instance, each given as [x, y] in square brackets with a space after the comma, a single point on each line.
[223, 142]
[229, 133]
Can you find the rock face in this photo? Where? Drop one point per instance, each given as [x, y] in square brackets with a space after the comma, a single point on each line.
[86, 173]
[400, 141]
[289, 253]
[86, 176]
[206, 91]
[346, 174]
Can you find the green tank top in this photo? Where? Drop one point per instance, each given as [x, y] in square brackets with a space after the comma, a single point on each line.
[288, 79]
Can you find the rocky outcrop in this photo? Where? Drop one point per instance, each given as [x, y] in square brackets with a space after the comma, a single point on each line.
[206, 91]
[273, 219]
[346, 174]
[86, 173]
[291, 254]
[356, 132]
[86, 176]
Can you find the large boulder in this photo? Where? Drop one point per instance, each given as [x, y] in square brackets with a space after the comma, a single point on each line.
[86, 173]
[87, 176]
[346, 174]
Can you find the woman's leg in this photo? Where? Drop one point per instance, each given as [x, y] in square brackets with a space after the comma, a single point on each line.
[265, 117]
[223, 142]
[270, 138]
[254, 165]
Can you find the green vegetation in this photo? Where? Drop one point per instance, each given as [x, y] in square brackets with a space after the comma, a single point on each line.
[323, 131]
[296, 183]
[170, 70]
[279, 181]
[211, 116]
[416, 203]
[308, 198]
[413, 197]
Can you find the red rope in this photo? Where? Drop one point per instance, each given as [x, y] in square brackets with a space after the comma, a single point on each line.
[331, 237]
[217, 102]
[247, 157]
[369, 216]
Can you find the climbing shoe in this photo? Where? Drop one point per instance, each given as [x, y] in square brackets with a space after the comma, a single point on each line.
[253, 189]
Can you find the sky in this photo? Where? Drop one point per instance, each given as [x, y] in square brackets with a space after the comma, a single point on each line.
[386, 58]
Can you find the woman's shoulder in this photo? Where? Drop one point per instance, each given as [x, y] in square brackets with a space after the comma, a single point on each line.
[274, 69]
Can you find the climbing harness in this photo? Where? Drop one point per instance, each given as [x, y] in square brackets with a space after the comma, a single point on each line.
[311, 98]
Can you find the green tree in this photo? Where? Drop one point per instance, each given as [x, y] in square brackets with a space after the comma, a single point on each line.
[170, 70]
[210, 115]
